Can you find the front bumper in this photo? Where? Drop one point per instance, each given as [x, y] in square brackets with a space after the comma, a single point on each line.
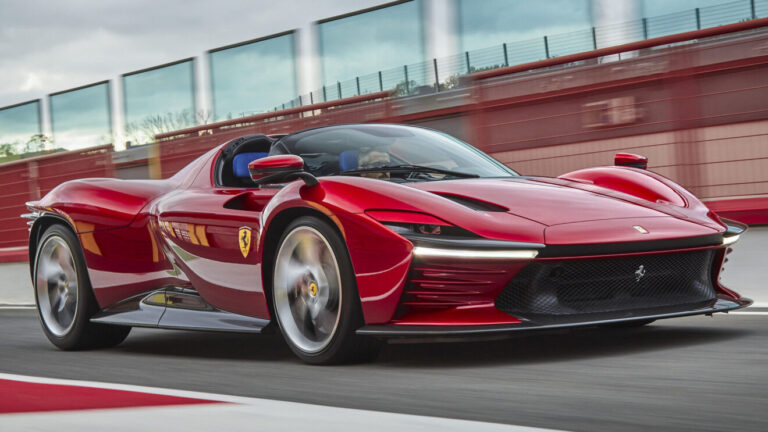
[614, 283]
[406, 331]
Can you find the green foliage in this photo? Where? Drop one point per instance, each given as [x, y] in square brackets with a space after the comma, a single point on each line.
[144, 131]
[36, 145]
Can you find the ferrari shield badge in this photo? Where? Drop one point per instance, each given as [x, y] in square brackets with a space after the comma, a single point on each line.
[244, 238]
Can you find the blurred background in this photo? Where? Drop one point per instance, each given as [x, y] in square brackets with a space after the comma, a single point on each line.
[139, 89]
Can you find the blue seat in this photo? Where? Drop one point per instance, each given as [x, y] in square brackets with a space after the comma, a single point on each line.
[240, 163]
[348, 160]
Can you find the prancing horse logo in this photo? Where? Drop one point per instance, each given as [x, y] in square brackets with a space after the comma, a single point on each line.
[639, 273]
[244, 238]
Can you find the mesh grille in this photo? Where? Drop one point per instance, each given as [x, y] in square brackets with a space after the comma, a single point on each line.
[589, 286]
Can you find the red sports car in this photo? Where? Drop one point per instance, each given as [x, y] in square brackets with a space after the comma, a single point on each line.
[342, 236]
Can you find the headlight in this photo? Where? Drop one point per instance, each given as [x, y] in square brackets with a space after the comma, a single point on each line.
[433, 237]
[409, 224]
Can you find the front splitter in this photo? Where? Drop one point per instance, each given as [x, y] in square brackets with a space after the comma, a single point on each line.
[420, 331]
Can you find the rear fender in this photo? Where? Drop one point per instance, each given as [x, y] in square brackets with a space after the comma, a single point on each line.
[662, 193]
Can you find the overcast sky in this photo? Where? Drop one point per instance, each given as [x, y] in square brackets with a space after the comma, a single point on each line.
[49, 46]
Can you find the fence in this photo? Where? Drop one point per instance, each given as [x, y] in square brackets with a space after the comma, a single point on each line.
[441, 74]
[29, 179]
[696, 109]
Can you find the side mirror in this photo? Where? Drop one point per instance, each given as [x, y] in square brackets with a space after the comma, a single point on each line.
[630, 160]
[279, 169]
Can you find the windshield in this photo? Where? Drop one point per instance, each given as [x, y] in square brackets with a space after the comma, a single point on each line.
[391, 152]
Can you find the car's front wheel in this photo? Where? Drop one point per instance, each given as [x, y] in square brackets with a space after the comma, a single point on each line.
[315, 296]
[64, 297]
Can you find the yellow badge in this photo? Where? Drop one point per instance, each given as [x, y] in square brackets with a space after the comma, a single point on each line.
[244, 238]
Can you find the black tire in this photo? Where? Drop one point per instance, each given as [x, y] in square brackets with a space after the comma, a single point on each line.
[344, 345]
[79, 333]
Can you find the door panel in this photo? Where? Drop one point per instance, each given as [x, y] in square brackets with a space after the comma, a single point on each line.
[207, 234]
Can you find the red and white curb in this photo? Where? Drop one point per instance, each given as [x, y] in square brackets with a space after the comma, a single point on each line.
[41, 404]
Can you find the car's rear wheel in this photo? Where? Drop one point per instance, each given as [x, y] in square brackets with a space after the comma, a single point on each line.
[63, 294]
[315, 296]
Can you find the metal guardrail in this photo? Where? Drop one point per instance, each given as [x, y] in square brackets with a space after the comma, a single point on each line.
[445, 73]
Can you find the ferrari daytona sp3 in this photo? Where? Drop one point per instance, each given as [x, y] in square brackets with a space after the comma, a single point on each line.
[342, 236]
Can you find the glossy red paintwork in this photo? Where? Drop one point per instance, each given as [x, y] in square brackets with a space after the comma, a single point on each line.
[628, 180]
[276, 162]
[183, 231]
[271, 165]
[630, 159]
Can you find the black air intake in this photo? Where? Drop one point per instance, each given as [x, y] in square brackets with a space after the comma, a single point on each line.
[596, 286]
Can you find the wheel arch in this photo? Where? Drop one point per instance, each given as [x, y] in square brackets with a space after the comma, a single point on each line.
[41, 224]
[277, 225]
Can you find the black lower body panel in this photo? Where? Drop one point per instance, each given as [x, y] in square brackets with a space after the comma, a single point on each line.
[583, 320]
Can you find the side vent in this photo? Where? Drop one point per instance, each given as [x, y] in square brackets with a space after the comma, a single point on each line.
[474, 204]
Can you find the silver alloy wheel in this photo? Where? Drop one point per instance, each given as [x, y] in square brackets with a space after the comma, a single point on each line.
[307, 289]
[56, 284]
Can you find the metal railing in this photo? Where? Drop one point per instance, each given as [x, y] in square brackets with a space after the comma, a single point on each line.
[440, 74]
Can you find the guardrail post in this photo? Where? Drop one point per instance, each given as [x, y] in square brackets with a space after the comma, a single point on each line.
[338, 88]
[506, 57]
[594, 38]
[698, 19]
[300, 104]
[752, 9]
[357, 81]
[437, 79]
[466, 56]
[546, 47]
[325, 95]
[311, 98]
[407, 85]
[154, 162]
[381, 83]
[645, 28]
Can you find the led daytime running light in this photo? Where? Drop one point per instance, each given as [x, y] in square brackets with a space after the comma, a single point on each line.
[467, 253]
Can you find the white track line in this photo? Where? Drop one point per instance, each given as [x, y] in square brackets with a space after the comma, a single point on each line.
[246, 414]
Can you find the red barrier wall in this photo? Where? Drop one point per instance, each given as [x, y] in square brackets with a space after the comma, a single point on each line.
[29, 179]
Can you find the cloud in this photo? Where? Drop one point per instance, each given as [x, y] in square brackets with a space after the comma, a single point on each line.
[50, 46]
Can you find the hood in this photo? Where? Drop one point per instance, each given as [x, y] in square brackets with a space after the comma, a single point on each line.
[546, 204]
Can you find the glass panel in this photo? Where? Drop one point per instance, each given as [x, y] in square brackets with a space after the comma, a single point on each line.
[499, 21]
[654, 8]
[159, 100]
[672, 23]
[81, 118]
[18, 125]
[761, 8]
[379, 40]
[253, 78]
[728, 13]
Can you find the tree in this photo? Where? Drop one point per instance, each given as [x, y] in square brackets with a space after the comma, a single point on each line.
[38, 143]
[144, 130]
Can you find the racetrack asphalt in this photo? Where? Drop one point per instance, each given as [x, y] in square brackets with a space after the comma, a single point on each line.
[696, 373]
